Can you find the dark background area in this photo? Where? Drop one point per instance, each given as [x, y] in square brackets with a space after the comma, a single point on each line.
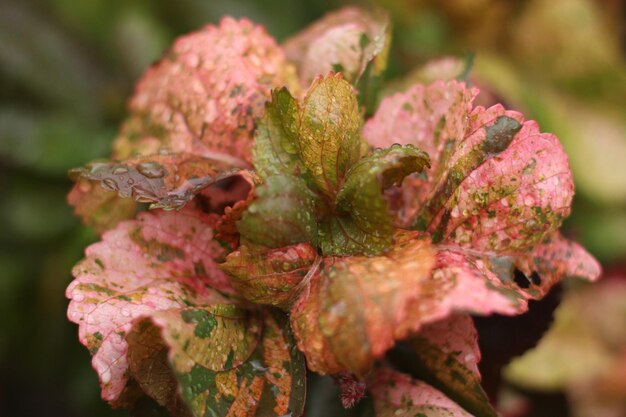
[67, 68]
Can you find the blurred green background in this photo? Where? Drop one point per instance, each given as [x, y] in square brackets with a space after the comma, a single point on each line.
[67, 68]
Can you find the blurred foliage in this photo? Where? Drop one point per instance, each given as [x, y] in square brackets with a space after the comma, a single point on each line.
[67, 68]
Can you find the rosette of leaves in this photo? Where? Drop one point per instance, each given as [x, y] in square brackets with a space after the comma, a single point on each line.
[349, 239]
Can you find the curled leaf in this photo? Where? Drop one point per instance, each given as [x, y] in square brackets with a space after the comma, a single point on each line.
[483, 284]
[349, 314]
[370, 228]
[344, 41]
[165, 181]
[396, 394]
[270, 276]
[204, 96]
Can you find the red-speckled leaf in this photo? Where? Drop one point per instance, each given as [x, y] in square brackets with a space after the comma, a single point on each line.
[348, 315]
[272, 276]
[163, 261]
[445, 355]
[343, 41]
[204, 96]
[397, 395]
[498, 184]
[166, 181]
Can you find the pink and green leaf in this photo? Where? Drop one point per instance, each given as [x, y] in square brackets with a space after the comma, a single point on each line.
[397, 395]
[497, 183]
[445, 355]
[162, 261]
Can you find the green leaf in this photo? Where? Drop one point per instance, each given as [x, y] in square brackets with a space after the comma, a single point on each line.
[370, 226]
[270, 277]
[282, 214]
[329, 132]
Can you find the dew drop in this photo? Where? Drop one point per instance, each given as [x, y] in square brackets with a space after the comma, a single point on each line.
[120, 170]
[110, 184]
[151, 169]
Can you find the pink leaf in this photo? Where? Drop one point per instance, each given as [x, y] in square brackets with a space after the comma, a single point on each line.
[343, 41]
[203, 97]
[149, 267]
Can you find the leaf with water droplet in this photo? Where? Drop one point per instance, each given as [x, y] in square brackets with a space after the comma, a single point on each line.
[98, 207]
[348, 316]
[272, 277]
[166, 180]
[329, 138]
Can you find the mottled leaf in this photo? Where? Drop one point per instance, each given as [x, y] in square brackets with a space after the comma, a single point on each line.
[344, 41]
[165, 181]
[161, 262]
[204, 95]
[349, 314]
[397, 395]
[273, 276]
[282, 214]
[445, 355]
[497, 183]
[271, 381]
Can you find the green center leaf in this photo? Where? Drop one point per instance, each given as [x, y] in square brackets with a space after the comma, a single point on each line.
[318, 186]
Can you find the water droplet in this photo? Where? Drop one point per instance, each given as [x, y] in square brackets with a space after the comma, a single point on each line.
[151, 169]
[110, 184]
[120, 170]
